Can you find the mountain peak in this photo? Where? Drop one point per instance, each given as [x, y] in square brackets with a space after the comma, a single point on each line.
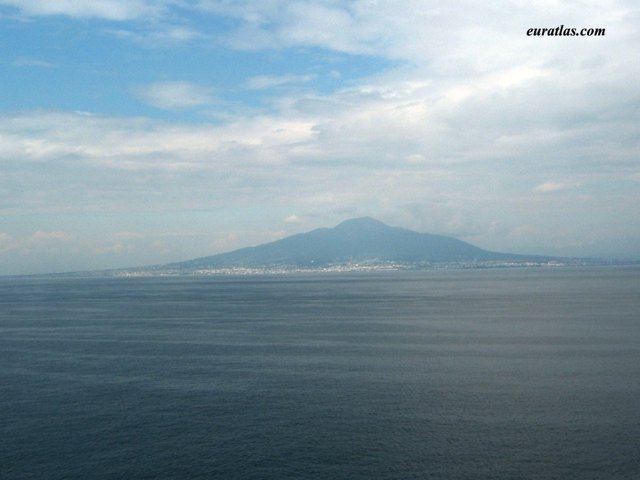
[361, 222]
[358, 240]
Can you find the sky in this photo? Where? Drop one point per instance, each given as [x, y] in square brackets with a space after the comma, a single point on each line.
[137, 132]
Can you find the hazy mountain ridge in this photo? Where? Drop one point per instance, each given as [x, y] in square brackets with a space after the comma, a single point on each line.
[359, 244]
[360, 240]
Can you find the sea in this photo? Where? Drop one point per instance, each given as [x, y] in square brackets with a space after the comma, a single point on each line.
[524, 373]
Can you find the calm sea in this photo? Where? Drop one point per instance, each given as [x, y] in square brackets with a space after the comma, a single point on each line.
[486, 374]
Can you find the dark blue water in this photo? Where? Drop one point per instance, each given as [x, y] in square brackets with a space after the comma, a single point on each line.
[501, 374]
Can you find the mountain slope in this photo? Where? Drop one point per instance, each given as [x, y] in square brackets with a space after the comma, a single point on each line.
[357, 240]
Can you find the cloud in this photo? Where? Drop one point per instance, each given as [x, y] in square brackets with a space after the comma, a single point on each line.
[547, 187]
[281, 24]
[118, 10]
[159, 35]
[396, 149]
[40, 237]
[175, 95]
[59, 250]
[32, 62]
[465, 129]
[420, 30]
[268, 81]
[46, 241]
[293, 219]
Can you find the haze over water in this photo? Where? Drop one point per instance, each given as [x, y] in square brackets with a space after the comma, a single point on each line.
[483, 374]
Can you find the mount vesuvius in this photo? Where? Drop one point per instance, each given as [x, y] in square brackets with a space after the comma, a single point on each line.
[356, 241]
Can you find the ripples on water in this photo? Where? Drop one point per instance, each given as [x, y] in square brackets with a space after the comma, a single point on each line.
[500, 374]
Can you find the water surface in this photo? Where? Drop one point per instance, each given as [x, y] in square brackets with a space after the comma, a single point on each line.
[483, 374]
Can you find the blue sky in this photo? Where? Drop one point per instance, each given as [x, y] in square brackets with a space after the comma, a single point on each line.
[138, 132]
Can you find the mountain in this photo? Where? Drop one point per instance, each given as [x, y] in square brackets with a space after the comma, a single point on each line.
[360, 240]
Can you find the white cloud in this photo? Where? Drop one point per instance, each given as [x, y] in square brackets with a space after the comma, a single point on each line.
[44, 241]
[107, 9]
[450, 139]
[293, 219]
[309, 23]
[175, 95]
[547, 187]
[269, 81]
[399, 150]
[32, 62]
[159, 35]
[40, 237]
[181, 33]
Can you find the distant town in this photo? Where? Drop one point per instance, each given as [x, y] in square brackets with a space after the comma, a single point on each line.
[354, 267]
